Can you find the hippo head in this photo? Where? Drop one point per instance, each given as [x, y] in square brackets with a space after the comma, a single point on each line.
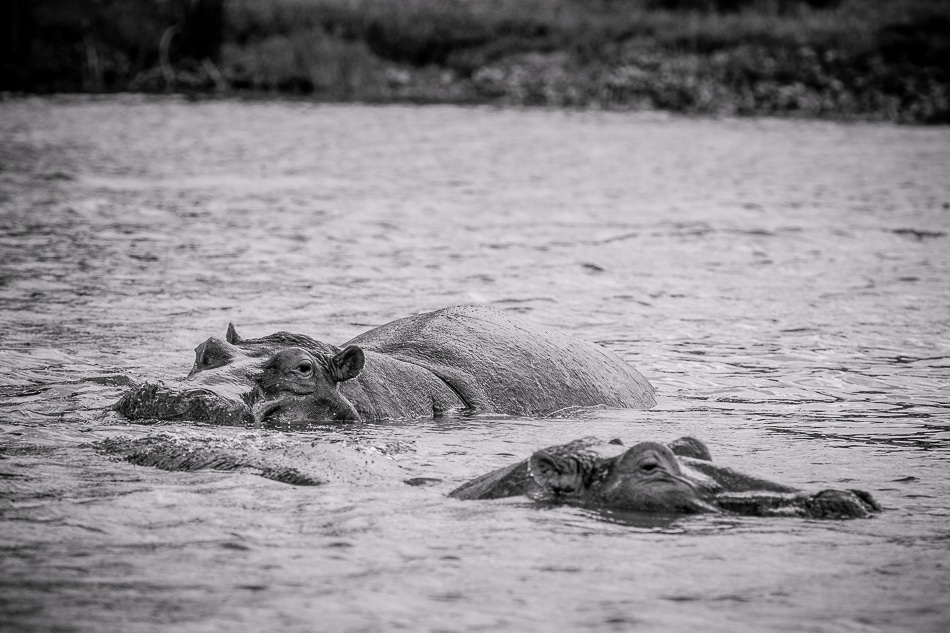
[646, 477]
[298, 384]
[223, 383]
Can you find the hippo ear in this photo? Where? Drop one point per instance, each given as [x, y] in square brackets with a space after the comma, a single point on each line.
[555, 473]
[687, 446]
[347, 364]
[232, 336]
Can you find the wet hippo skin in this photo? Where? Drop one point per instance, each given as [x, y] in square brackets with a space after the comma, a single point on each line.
[678, 477]
[472, 358]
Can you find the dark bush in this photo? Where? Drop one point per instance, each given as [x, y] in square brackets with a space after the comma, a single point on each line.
[824, 57]
[921, 40]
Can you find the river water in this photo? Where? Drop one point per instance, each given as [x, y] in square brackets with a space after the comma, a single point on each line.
[785, 285]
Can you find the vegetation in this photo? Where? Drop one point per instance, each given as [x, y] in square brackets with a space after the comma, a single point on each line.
[841, 58]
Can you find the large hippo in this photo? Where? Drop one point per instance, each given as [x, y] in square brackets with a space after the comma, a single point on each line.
[472, 358]
[679, 477]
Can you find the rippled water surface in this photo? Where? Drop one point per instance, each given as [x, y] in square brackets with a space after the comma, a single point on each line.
[785, 286]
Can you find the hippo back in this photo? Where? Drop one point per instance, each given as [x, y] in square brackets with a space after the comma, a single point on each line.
[498, 362]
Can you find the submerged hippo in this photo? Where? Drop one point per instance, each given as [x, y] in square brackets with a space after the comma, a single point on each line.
[650, 477]
[472, 358]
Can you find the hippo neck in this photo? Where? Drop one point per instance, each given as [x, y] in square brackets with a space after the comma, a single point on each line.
[391, 388]
[715, 479]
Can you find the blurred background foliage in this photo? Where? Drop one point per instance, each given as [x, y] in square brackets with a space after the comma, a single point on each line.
[868, 59]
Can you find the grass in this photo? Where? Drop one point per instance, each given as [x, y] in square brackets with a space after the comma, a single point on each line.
[841, 58]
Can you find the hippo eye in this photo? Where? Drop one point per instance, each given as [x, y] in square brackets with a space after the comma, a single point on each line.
[304, 368]
[648, 466]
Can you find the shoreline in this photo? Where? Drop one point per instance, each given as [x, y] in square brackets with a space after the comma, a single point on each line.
[252, 97]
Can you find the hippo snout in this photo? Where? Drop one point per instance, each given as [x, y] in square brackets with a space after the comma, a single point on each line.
[162, 402]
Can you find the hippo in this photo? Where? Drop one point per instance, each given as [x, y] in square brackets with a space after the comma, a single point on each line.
[675, 478]
[474, 359]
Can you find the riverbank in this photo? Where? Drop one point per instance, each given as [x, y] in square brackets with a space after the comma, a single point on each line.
[816, 58]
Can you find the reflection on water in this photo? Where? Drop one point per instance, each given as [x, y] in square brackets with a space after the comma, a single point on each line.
[644, 521]
[783, 284]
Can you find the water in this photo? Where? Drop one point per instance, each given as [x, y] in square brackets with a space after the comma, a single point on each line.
[785, 286]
